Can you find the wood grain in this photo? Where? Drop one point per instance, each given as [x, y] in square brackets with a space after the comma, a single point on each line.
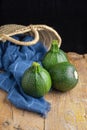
[68, 110]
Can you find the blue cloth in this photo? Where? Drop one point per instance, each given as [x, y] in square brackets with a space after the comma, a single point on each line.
[14, 60]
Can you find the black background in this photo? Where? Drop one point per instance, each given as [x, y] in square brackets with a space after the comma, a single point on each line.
[68, 17]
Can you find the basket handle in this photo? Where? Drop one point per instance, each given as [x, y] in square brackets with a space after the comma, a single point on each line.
[34, 29]
[36, 37]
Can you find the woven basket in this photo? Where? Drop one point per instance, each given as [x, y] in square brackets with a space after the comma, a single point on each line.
[42, 33]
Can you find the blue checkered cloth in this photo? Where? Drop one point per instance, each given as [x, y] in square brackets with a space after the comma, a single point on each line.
[14, 60]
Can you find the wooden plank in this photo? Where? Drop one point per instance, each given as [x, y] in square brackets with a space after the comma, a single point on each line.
[68, 110]
[5, 111]
[12, 118]
[24, 120]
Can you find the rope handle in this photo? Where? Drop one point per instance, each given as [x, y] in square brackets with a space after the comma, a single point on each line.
[34, 29]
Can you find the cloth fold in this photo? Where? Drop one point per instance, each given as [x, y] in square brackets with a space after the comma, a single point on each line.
[14, 60]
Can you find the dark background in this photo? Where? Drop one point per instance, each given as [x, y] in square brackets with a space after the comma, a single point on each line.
[68, 17]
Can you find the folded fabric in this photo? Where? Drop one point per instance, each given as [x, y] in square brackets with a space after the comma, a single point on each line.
[14, 60]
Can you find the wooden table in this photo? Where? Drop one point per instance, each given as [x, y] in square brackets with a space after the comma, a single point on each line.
[68, 112]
